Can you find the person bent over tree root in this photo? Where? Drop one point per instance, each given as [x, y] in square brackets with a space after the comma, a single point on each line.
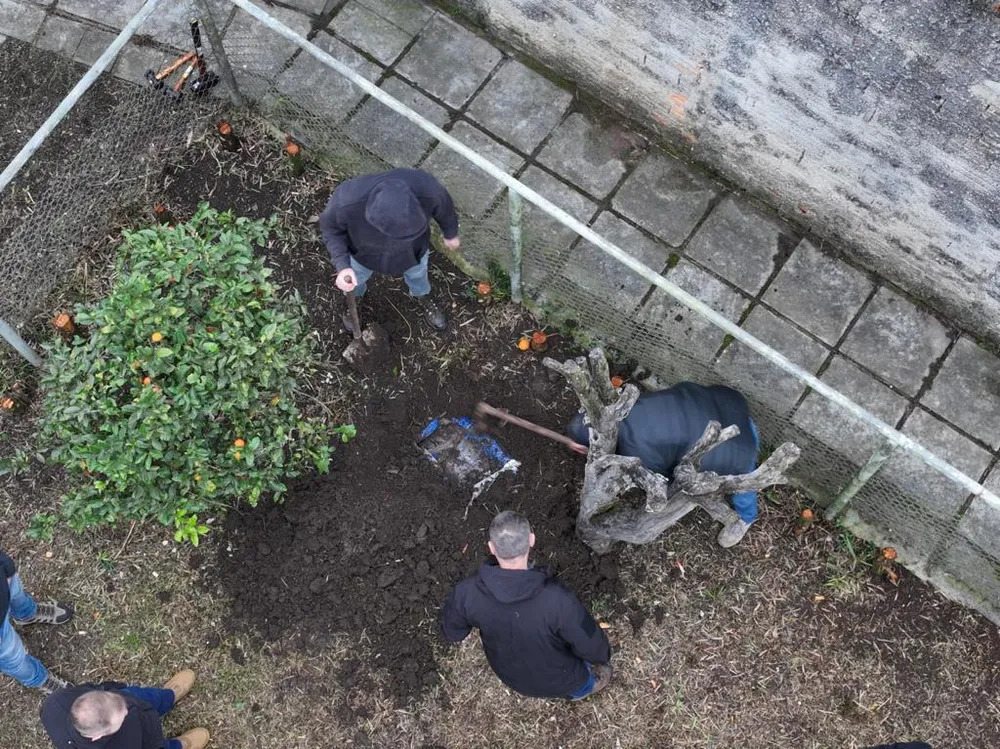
[380, 223]
[113, 715]
[20, 609]
[539, 639]
[663, 425]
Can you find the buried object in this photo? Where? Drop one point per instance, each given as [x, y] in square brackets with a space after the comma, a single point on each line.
[371, 339]
[471, 460]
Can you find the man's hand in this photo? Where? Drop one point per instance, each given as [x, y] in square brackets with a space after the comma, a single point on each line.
[346, 280]
[453, 244]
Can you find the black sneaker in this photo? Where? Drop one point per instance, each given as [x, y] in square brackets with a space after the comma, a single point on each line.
[49, 612]
[432, 313]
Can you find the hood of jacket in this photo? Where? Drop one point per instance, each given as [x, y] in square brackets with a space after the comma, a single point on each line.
[394, 210]
[510, 586]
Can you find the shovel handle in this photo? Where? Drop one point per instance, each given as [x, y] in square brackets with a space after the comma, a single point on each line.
[485, 409]
[352, 311]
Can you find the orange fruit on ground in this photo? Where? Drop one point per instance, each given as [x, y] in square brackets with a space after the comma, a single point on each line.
[156, 337]
[889, 553]
[807, 514]
[523, 343]
[617, 382]
[483, 288]
[239, 442]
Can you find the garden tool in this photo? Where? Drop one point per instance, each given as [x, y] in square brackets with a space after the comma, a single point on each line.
[487, 415]
[205, 81]
[366, 341]
[471, 460]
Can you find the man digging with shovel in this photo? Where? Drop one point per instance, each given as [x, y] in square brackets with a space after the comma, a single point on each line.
[380, 223]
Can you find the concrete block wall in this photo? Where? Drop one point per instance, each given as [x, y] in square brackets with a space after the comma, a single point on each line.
[873, 124]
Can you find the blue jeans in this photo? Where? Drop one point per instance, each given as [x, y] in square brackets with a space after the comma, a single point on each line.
[14, 659]
[416, 277]
[745, 503]
[587, 687]
[162, 701]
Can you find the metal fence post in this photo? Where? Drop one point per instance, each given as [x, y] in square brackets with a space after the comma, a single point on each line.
[12, 337]
[516, 205]
[862, 477]
[216, 39]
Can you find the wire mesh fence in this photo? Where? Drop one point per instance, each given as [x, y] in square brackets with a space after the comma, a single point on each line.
[942, 530]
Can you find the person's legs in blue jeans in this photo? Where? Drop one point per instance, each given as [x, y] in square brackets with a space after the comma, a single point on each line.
[22, 605]
[15, 661]
[363, 274]
[417, 280]
[162, 701]
[745, 503]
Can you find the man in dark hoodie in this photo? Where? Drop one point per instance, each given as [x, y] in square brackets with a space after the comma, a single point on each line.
[380, 223]
[538, 637]
[113, 715]
[17, 607]
[663, 425]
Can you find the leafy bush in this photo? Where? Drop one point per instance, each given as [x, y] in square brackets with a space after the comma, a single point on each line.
[179, 395]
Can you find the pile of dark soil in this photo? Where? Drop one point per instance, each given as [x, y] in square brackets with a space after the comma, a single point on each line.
[373, 548]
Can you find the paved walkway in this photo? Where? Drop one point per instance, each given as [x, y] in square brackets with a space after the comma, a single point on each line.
[851, 329]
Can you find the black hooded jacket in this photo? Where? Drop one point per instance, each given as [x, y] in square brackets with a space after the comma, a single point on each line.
[7, 568]
[663, 425]
[536, 633]
[142, 729]
[383, 220]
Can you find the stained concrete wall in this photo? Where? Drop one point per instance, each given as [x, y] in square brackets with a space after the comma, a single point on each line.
[876, 124]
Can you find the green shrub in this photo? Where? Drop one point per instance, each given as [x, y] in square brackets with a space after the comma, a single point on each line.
[179, 396]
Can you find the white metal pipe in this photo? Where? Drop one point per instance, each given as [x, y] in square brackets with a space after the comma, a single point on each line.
[890, 433]
[74, 95]
[9, 334]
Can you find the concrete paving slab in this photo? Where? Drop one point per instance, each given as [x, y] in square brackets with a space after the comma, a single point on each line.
[937, 494]
[520, 105]
[684, 328]
[409, 15]
[110, 12]
[171, 23]
[851, 437]
[966, 391]
[897, 340]
[20, 20]
[472, 189]
[449, 61]
[134, 60]
[604, 277]
[819, 292]
[587, 153]
[666, 197]
[367, 30]
[324, 91]
[742, 243]
[73, 39]
[254, 48]
[389, 136]
[312, 7]
[749, 372]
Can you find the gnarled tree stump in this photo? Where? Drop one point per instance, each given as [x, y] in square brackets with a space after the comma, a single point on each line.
[609, 508]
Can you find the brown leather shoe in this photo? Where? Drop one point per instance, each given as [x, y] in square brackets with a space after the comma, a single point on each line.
[180, 684]
[196, 738]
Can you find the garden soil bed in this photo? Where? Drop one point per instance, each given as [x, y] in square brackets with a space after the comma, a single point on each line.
[372, 548]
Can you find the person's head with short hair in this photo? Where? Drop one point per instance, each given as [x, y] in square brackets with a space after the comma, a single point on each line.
[98, 713]
[511, 540]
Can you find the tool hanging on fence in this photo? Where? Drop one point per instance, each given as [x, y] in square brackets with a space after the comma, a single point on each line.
[205, 81]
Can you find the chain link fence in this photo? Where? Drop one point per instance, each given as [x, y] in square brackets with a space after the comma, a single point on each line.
[943, 526]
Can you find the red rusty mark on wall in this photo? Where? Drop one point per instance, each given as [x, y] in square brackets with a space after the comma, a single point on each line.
[678, 102]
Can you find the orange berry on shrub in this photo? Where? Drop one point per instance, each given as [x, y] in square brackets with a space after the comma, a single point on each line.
[239, 442]
[237, 455]
[156, 337]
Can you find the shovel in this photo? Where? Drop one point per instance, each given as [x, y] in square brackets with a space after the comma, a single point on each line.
[485, 412]
[373, 339]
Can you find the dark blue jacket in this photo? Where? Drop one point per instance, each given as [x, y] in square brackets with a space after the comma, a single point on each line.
[142, 729]
[7, 568]
[536, 633]
[663, 425]
[383, 220]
